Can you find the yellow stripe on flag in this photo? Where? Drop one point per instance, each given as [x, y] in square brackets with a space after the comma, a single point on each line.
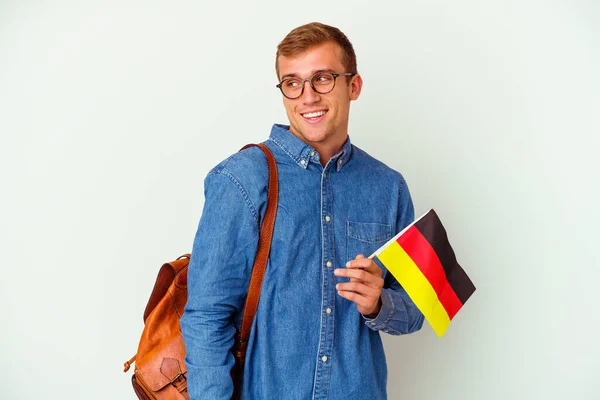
[416, 285]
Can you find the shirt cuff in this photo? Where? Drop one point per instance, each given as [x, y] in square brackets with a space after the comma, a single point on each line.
[380, 322]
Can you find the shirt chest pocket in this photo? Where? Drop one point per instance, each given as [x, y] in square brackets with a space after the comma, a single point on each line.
[365, 237]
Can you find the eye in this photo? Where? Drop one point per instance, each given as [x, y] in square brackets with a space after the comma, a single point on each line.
[323, 78]
[291, 83]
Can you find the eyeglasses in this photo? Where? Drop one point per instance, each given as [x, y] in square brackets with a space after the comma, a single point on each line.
[321, 82]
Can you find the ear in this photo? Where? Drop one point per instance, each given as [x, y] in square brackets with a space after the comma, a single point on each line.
[355, 86]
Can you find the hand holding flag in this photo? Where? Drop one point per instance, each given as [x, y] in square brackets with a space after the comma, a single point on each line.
[364, 287]
[423, 262]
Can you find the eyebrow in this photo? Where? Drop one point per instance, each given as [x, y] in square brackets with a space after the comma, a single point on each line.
[295, 75]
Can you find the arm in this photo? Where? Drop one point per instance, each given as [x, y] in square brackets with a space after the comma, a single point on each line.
[384, 304]
[218, 278]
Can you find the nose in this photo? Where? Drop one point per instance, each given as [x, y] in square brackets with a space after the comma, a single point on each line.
[309, 96]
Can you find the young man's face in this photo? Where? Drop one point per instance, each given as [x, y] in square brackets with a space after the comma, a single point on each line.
[331, 128]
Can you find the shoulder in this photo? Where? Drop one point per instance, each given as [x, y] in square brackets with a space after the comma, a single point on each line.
[246, 164]
[376, 169]
[247, 170]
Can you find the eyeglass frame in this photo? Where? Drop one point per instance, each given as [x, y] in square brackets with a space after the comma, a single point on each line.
[311, 83]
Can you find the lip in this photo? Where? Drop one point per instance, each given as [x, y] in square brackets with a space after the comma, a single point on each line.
[314, 120]
[315, 110]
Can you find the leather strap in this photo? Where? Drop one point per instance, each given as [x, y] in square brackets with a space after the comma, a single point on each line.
[262, 255]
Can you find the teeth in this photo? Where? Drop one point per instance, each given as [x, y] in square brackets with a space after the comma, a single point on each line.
[313, 114]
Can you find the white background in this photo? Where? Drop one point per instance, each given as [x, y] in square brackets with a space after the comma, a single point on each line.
[112, 113]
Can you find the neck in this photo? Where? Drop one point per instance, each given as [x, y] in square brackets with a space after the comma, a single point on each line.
[328, 147]
[328, 151]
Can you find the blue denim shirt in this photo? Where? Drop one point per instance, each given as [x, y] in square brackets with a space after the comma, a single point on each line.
[307, 342]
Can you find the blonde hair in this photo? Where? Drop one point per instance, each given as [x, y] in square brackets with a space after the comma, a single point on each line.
[306, 36]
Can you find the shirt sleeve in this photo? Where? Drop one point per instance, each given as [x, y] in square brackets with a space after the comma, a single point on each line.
[398, 314]
[218, 277]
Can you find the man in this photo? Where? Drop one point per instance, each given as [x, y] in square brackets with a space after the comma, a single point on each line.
[322, 304]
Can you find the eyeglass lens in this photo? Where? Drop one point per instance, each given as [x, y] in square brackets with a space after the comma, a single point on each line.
[322, 82]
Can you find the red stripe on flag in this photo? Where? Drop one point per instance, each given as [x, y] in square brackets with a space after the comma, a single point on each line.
[419, 249]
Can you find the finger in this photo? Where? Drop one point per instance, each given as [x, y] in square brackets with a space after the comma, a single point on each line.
[362, 303]
[359, 274]
[360, 288]
[364, 263]
[363, 277]
[358, 257]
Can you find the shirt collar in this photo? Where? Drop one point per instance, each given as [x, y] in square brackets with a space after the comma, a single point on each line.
[303, 154]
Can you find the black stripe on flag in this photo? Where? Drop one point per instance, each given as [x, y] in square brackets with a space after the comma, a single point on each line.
[432, 229]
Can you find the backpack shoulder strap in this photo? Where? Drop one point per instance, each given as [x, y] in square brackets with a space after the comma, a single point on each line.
[262, 255]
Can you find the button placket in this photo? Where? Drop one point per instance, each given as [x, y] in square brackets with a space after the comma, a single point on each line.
[326, 339]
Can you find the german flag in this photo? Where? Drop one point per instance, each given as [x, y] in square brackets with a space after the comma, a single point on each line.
[423, 262]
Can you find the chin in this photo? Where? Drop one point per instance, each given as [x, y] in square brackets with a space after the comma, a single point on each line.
[314, 136]
[312, 133]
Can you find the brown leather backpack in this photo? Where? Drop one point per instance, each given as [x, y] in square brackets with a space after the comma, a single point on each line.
[160, 371]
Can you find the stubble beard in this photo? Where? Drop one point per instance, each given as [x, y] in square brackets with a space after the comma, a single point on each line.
[329, 132]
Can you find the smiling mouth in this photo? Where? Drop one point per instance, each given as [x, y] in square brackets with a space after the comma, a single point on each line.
[315, 115]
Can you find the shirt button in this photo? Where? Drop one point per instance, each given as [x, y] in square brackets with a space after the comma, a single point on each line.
[324, 358]
[327, 218]
[328, 311]
[340, 162]
[302, 162]
[329, 264]
[324, 175]
[312, 153]
[373, 323]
